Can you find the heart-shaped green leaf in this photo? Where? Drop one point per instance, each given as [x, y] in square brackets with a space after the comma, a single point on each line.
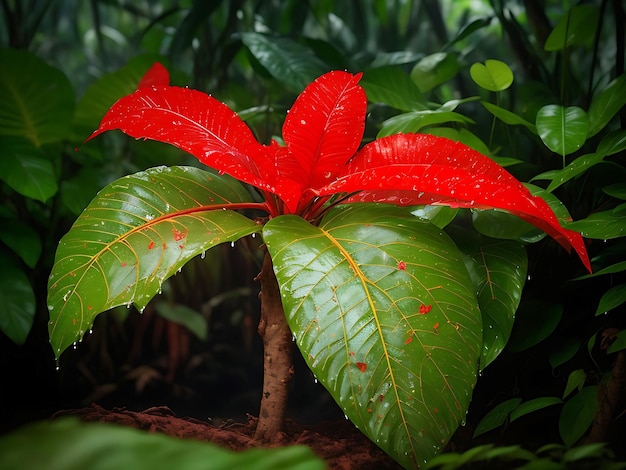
[383, 312]
[493, 75]
[138, 231]
[562, 130]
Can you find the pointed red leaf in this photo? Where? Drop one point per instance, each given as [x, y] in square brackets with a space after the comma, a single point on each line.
[323, 129]
[408, 169]
[157, 75]
[198, 124]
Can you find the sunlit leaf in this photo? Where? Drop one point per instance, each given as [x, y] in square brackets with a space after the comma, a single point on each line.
[377, 306]
[533, 405]
[26, 169]
[577, 415]
[576, 28]
[497, 416]
[291, 63]
[612, 298]
[137, 232]
[36, 100]
[17, 299]
[607, 104]
[69, 444]
[562, 130]
[493, 75]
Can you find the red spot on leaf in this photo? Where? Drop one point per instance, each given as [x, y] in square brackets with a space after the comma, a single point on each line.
[402, 266]
[89, 307]
[436, 327]
[178, 235]
[181, 246]
[424, 309]
[123, 264]
[351, 353]
[408, 340]
[381, 397]
[436, 410]
[73, 321]
[362, 366]
[369, 410]
[150, 245]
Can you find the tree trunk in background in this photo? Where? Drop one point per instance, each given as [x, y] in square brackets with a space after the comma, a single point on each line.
[277, 358]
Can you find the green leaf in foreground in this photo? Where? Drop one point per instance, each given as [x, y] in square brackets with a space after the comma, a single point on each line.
[379, 312]
[138, 231]
[563, 130]
[69, 444]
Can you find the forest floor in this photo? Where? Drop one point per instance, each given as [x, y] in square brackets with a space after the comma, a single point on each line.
[339, 444]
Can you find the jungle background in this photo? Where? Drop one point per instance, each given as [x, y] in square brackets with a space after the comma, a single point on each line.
[195, 349]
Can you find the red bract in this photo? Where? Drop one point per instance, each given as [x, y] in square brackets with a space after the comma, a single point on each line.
[321, 160]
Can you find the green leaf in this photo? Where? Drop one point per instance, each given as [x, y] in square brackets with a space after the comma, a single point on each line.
[289, 62]
[612, 143]
[508, 117]
[22, 239]
[36, 100]
[468, 30]
[577, 415]
[440, 216]
[619, 343]
[435, 69]
[106, 90]
[17, 299]
[497, 416]
[612, 298]
[461, 135]
[498, 270]
[563, 130]
[607, 104]
[535, 321]
[26, 169]
[575, 381]
[415, 121]
[574, 169]
[533, 405]
[185, 316]
[614, 268]
[138, 231]
[603, 225]
[576, 28]
[394, 87]
[499, 224]
[69, 444]
[617, 190]
[493, 75]
[384, 313]
[563, 353]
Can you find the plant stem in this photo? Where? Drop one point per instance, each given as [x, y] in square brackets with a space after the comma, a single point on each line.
[277, 358]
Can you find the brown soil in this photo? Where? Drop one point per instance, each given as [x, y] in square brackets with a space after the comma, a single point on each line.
[340, 444]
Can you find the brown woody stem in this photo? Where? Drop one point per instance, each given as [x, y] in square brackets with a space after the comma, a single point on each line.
[277, 360]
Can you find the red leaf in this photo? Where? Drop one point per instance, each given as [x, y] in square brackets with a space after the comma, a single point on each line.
[323, 129]
[409, 169]
[196, 123]
[157, 75]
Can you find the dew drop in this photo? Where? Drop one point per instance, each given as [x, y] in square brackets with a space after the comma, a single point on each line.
[528, 277]
[232, 244]
[203, 255]
[346, 416]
